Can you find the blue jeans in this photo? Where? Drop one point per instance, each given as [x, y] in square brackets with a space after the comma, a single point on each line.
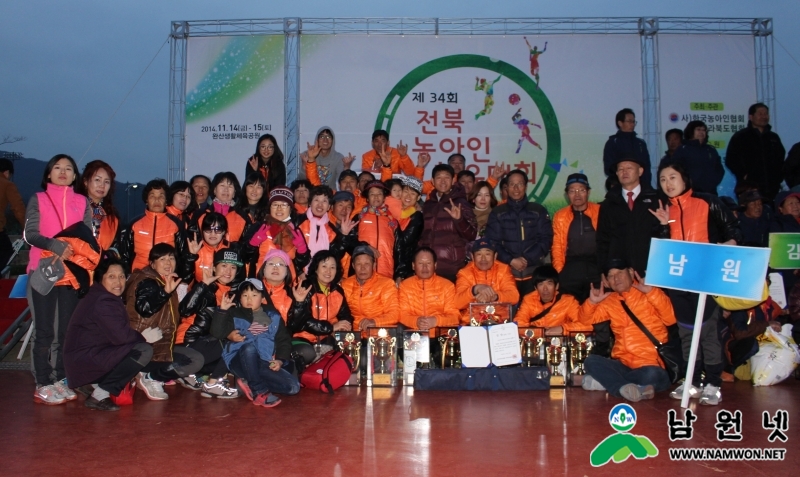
[613, 375]
[248, 364]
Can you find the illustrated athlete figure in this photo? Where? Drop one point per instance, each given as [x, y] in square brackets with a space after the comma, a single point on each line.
[488, 87]
[525, 132]
[534, 56]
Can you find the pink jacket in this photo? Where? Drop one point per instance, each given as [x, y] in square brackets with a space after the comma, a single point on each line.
[69, 209]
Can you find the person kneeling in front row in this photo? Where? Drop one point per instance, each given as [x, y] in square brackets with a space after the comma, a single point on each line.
[634, 371]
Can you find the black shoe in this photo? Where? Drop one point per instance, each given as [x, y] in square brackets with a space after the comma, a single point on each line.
[103, 405]
[85, 390]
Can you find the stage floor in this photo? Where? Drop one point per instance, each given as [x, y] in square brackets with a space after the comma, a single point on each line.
[377, 432]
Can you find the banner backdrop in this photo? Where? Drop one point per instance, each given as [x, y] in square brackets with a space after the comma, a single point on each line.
[710, 78]
[234, 94]
[546, 106]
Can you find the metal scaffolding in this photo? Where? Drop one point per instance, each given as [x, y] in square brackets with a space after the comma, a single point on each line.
[649, 29]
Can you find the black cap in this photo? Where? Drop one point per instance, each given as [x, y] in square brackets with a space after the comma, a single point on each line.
[749, 196]
[618, 263]
[577, 178]
[363, 250]
[483, 243]
[343, 195]
[227, 255]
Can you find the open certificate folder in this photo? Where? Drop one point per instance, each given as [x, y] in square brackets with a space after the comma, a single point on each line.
[482, 346]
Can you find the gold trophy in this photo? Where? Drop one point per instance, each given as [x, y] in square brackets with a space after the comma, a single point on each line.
[451, 352]
[529, 349]
[580, 350]
[556, 354]
[383, 350]
[351, 347]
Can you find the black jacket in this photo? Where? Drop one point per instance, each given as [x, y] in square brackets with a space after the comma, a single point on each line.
[722, 224]
[624, 233]
[222, 325]
[624, 144]
[303, 319]
[520, 228]
[185, 260]
[406, 242]
[201, 301]
[757, 157]
[791, 168]
[703, 164]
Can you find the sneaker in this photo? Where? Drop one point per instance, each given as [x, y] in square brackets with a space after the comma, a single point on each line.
[635, 393]
[64, 390]
[711, 395]
[101, 405]
[152, 388]
[591, 384]
[221, 390]
[48, 395]
[193, 382]
[85, 390]
[171, 382]
[242, 384]
[267, 400]
[694, 392]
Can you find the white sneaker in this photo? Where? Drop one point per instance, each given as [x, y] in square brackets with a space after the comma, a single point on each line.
[591, 384]
[711, 395]
[694, 392]
[64, 391]
[220, 390]
[152, 388]
[48, 395]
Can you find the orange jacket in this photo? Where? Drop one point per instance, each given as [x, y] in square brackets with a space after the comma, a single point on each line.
[688, 218]
[330, 307]
[435, 297]
[300, 208]
[83, 255]
[376, 231]
[632, 348]
[236, 225]
[280, 298]
[371, 161]
[108, 232]
[561, 222]
[205, 259]
[563, 312]
[427, 186]
[305, 227]
[498, 277]
[376, 299]
[151, 229]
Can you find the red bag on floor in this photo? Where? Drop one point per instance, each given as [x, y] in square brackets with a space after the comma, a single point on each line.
[329, 372]
[125, 397]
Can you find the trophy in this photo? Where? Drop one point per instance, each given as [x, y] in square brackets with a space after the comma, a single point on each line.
[482, 314]
[580, 347]
[416, 354]
[451, 351]
[556, 357]
[350, 345]
[383, 350]
[529, 349]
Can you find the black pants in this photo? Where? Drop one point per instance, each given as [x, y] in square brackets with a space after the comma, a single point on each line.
[211, 349]
[6, 250]
[125, 370]
[185, 361]
[576, 276]
[51, 314]
[524, 287]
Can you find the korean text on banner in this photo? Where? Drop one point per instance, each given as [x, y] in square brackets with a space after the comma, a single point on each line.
[722, 270]
[785, 251]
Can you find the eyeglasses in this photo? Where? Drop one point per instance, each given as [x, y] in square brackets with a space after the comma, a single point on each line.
[268, 147]
[275, 265]
[325, 136]
[279, 205]
[576, 191]
[632, 121]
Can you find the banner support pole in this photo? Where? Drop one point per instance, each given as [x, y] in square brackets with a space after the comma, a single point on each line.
[698, 324]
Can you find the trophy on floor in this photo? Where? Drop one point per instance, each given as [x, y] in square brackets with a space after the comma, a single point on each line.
[556, 361]
[532, 347]
[451, 351]
[580, 346]
[350, 345]
[383, 349]
[416, 354]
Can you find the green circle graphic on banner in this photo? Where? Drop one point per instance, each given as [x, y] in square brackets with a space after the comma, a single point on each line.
[546, 179]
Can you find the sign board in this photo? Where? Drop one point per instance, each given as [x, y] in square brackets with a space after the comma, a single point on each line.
[785, 251]
[722, 270]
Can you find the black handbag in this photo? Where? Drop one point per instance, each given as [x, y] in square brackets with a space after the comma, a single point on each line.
[669, 355]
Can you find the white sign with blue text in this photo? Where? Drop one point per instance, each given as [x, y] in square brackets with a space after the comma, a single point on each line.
[721, 270]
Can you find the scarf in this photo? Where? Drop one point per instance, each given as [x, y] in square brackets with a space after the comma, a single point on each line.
[98, 214]
[281, 234]
[222, 208]
[379, 211]
[319, 240]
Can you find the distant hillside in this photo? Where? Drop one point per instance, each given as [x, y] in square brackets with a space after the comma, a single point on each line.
[28, 178]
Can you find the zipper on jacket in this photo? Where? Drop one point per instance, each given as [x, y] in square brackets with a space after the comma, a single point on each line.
[424, 300]
[683, 233]
[64, 209]
[155, 227]
[522, 229]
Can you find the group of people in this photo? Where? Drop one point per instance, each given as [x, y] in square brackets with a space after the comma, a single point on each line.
[252, 279]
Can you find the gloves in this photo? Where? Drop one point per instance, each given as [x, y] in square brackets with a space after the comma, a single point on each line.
[151, 335]
[299, 241]
[317, 327]
[259, 237]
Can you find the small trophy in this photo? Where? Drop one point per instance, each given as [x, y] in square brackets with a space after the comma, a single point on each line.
[416, 354]
[580, 347]
[556, 357]
[529, 349]
[451, 351]
[383, 350]
[482, 314]
[350, 345]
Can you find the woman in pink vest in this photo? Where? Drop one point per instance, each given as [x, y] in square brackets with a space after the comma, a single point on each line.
[49, 213]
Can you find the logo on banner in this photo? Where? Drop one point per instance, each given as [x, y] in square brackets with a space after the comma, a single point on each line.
[618, 447]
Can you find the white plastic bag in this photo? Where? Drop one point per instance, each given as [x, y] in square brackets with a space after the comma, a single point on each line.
[777, 357]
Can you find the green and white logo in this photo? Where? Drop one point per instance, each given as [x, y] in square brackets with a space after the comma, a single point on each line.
[621, 445]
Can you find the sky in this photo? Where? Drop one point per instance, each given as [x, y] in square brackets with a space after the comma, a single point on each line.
[65, 66]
